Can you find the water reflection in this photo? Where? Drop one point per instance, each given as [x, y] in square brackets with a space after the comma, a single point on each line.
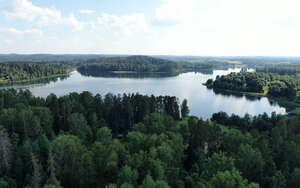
[235, 94]
[203, 102]
[32, 83]
[134, 75]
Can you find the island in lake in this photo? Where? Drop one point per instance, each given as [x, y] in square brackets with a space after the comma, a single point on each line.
[138, 121]
[266, 82]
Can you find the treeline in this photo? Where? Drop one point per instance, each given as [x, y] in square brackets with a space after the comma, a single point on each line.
[77, 59]
[262, 61]
[26, 72]
[282, 70]
[131, 63]
[276, 145]
[257, 82]
[49, 58]
[146, 64]
[133, 75]
[77, 123]
[209, 65]
[81, 140]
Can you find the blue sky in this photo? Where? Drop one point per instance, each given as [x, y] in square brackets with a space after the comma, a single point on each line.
[160, 27]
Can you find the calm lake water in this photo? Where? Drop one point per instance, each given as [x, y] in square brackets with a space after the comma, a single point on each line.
[203, 102]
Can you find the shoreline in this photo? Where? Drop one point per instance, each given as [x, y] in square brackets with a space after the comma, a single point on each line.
[20, 82]
[292, 107]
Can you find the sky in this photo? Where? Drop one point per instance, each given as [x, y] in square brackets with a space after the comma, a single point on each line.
[151, 27]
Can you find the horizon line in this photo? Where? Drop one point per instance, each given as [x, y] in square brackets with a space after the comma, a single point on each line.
[128, 54]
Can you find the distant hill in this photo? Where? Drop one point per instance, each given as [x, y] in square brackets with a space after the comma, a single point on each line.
[130, 64]
[141, 59]
[78, 59]
[38, 58]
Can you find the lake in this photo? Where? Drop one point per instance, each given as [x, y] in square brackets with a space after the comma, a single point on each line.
[202, 102]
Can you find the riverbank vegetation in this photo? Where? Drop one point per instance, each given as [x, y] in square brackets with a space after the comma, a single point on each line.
[146, 64]
[81, 140]
[257, 82]
[13, 73]
[131, 64]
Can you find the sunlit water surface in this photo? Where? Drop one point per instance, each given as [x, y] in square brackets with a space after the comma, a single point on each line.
[202, 102]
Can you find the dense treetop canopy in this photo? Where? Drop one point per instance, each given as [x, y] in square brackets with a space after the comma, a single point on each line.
[257, 82]
[131, 63]
[132, 140]
[81, 140]
[24, 72]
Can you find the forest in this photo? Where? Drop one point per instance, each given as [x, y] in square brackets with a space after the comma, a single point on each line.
[48, 58]
[131, 64]
[42, 67]
[271, 84]
[99, 64]
[281, 69]
[147, 64]
[250, 61]
[25, 72]
[132, 140]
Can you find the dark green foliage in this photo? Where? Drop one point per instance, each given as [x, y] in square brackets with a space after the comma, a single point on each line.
[25, 72]
[150, 183]
[47, 58]
[128, 176]
[250, 163]
[246, 82]
[257, 82]
[217, 162]
[184, 109]
[128, 141]
[144, 64]
[282, 89]
[6, 152]
[278, 180]
[67, 153]
[230, 179]
[131, 63]
[78, 127]
[281, 69]
[295, 178]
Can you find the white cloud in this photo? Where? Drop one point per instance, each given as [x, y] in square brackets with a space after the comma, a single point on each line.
[24, 10]
[228, 27]
[127, 24]
[14, 40]
[226, 11]
[72, 21]
[16, 32]
[87, 12]
[8, 42]
[190, 27]
[172, 12]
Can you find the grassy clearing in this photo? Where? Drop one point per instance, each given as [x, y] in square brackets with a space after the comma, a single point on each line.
[266, 90]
